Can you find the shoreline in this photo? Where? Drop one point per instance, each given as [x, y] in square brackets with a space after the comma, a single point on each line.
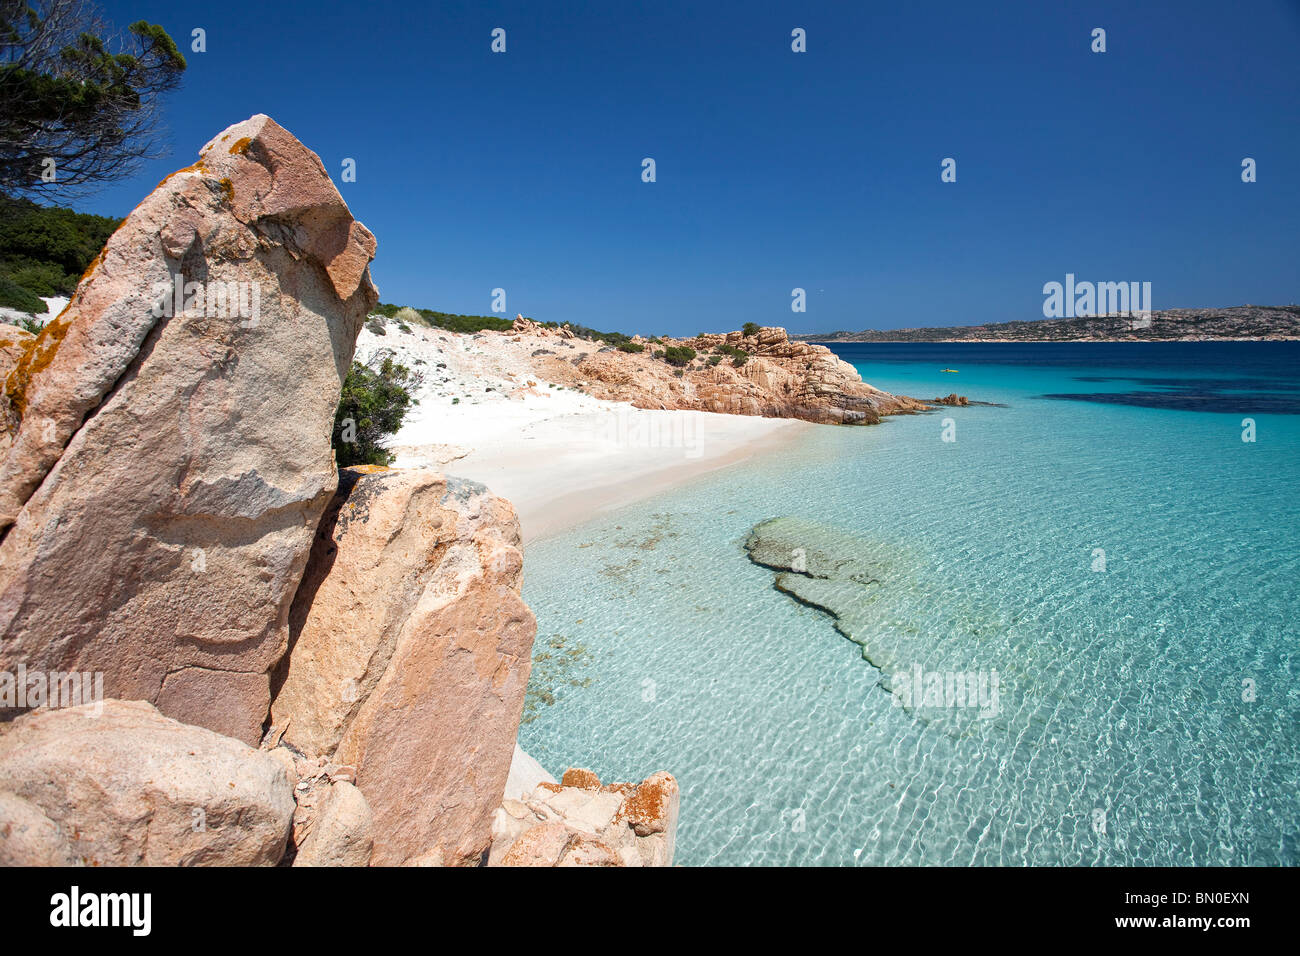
[625, 475]
[557, 454]
[607, 459]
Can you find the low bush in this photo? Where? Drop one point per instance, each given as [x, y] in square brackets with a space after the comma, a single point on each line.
[738, 356]
[679, 355]
[376, 397]
[14, 296]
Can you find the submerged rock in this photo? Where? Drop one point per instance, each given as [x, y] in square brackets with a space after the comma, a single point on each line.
[843, 575]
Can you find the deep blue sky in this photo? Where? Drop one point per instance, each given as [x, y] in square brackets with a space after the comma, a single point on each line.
[820, 170]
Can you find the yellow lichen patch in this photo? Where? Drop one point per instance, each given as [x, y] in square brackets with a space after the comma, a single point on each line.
[228, 190]
[36, 357]
[196, 168]
[369, 469]
[240, 146]
[94, 264]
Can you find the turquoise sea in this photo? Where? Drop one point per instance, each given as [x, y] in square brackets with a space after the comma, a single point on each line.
[1105, 541]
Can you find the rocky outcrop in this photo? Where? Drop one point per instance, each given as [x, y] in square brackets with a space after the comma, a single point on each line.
[410, 654]
[171, 458]
[775, 378]
[132, 787]
[581, 822]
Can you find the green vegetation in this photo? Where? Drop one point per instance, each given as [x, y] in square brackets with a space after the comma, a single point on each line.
[44, 250]
[14, 296]
[376, 397]
[749, 328]
[633, 347]
[738, 356]
[466, 324]
[679, 355]
[615, 339]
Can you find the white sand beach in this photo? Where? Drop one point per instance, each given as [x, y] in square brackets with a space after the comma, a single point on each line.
[558, 455]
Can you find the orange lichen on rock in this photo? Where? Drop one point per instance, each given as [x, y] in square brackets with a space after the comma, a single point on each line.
[36, 357]
[647, 809]
[240, 146]
[196, 168]
[94, 264]
[580, 778]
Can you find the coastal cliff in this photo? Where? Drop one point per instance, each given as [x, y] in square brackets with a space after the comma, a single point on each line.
[212, 650]
[761, 373]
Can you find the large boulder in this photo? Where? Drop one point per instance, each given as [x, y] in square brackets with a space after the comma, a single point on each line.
[169, 466]
[409, 658]
[131, 786]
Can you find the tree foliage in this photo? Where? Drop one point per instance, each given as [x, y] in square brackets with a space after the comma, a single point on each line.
[78, 98]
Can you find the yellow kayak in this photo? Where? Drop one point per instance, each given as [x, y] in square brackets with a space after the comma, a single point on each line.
[953, 370]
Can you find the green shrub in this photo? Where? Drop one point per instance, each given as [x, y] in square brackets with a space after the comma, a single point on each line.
[633, 347]
[466, 324]
[715, 359]
[679, 355]
[749, 328]
[738, 356]
[14, 296]
[376, 397]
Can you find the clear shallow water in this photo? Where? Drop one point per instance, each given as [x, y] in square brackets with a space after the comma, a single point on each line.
[661, 646]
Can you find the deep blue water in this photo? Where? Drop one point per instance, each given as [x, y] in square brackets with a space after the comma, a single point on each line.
[1106, 541]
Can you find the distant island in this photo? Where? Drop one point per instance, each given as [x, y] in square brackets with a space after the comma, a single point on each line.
[1242, 322]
